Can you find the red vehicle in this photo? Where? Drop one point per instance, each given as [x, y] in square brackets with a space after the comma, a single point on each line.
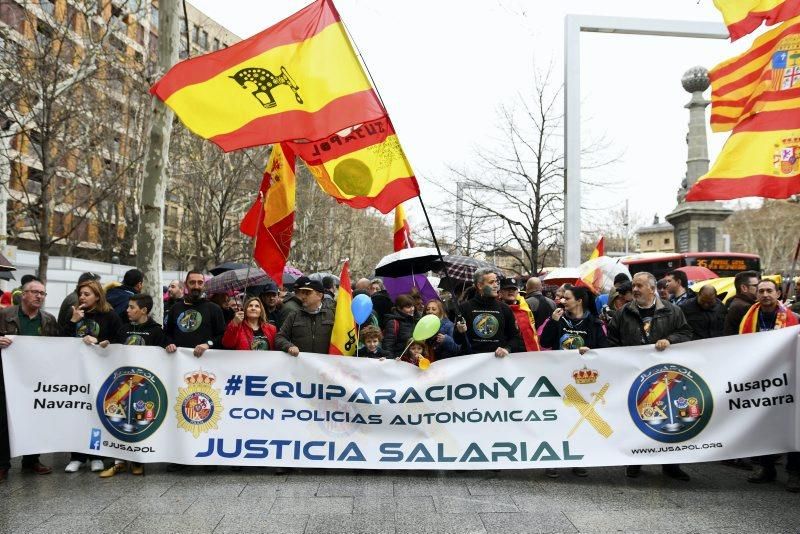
[724, 264]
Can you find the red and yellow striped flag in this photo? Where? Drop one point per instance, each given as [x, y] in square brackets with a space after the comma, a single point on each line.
[760, 158]
[343, 337]
[271, 218]
[743, 16]
[765, 78]
[599, 249]
[365, 167]
[402, 230]
[298, 79]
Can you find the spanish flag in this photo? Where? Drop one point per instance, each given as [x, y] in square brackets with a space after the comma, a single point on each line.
[343, 337]
[761, 158]
[271, 218]
[402, 230]
[363, 167]
[298, 79]
[599, 249]
[765, 78]
[743, 16]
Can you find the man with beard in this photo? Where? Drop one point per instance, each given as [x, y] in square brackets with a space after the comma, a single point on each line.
[174, 294]
[768, 314]
[745, 283]
[487, 325]
[194, 322]
[644, 321]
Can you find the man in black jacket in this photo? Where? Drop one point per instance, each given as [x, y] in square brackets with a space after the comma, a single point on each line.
[118, 297]
[648, 320]
[194, 322]
[487, 325]
[705, 314]
[746, 283]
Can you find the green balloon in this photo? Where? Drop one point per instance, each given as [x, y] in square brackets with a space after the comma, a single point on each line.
[426, 328]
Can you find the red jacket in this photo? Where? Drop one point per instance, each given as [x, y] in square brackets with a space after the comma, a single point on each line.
[240, 337]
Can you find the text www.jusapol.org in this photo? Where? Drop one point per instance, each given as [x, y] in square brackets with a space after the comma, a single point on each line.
[676, 448]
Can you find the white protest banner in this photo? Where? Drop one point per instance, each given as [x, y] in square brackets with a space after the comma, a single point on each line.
[709, 400]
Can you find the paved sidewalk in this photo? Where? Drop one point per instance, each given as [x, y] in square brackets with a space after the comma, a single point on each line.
[718, 499]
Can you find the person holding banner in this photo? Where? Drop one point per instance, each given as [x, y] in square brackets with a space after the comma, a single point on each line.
[309, 329]
[250, 329]
[95, 321]
[649, 320]
[767, 314]
[487, 325]
[194, 322]
[26, 319]
[141, 330]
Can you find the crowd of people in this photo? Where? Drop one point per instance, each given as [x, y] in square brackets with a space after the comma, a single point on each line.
[494, 315]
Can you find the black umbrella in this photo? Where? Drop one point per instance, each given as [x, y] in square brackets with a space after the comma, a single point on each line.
[7, 275]
[417, 260]
[227, 266]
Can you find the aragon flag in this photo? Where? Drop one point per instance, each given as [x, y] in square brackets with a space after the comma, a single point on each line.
[365, 167]
[343, 337]
[271, 218]
[743, 16]
[402, 230]
[599, 249]
[760, 158]
[298, 79]
[765, 78]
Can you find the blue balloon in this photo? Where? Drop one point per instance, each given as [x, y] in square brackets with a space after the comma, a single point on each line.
[601, 301]
[361, 308]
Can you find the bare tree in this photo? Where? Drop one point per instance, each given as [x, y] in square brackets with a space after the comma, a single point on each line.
[771, 231]
[517, 192]
[60, 101]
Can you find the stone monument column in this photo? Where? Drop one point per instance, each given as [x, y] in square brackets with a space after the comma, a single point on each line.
[698, 225]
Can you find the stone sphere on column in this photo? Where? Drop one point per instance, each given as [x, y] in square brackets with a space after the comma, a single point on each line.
[695, 79]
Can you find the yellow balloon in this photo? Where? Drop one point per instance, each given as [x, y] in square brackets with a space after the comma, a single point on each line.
[424, 363]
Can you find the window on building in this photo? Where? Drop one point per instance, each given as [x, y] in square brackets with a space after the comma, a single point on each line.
[153, 16]
[48, 6]
[649, 242]
[35, 139]
[152, 45]
[216, 43]
[204, 40]
[666, 241]
[196, 34]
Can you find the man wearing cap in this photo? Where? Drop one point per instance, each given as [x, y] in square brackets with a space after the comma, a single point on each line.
[272, 304]
[308, 329]
[509, 293]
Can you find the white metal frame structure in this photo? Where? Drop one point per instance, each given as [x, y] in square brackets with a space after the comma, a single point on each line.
[573, 26]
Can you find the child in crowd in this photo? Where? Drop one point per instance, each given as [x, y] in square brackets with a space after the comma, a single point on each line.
[372, 336]
[415, 352]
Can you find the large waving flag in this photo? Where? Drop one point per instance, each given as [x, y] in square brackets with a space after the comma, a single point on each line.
[298, 79]
[271, 218]
[402, 230]
[743, 16]
[760, 158]
[343, 337]
[363, 168]
[765, 78]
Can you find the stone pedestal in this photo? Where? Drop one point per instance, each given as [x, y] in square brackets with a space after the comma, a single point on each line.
[698, 225]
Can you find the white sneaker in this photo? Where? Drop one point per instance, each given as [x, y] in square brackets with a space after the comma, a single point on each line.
[96, 466]
[73, 466]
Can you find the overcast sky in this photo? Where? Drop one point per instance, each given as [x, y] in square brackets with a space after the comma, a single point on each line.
[444, 68]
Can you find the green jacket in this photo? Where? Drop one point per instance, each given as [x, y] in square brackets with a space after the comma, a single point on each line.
[310, 332]
[9, 322]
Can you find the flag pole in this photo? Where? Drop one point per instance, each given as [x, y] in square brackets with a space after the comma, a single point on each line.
[449, 280]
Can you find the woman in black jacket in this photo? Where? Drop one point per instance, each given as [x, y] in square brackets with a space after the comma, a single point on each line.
[399, 326]
[94, 320]
[574, 326]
